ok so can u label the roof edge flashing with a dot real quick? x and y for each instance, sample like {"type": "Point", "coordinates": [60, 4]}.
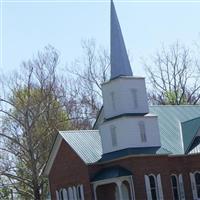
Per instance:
{"type": "Point", "coordinates": [122, 77]}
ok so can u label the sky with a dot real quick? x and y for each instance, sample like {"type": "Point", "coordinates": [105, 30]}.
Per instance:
{"type": "Point", "coordinates": [28, 26]}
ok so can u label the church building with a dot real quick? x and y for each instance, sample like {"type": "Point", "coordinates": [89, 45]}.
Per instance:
{"type": "Point", "coordinates": [135, 151]}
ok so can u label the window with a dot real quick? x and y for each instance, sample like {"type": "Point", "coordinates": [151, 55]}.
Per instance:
{"type": "Point", "coordinates": [70, 193]}
{"type": "Point", "coordinates": [112, 94]}
{"type": "Point", "coordinates": [194, 179]}
{"type": "Point", "coordinates": [134, 96]}
{"type": "Point", "coordinates": [65, 195]}
{"type": "Point", "coordinates": [142, 131]}
{"type": "Point", "coordinates": [79, 192]}
{"type": "Point", "coordinates": [57, 195]}
{"type": "Point", "coordinates": [113, 136]}
{"type": "Point", "coordinates": [154, 187]}
{"type": "Point", "coordinates": [61, 194]}
{"type": "Point", "coordinates": [80, 195]}
{"type": "Point", "coordinates": [175, 187]}
{"type": "Point", "coordinates": [197, 180]}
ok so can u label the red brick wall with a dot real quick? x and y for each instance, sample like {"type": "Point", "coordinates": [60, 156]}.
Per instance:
{"type": "Point", "coordinates": [163, 165]}
{"type": "Point", "coordinates": [68, 170]}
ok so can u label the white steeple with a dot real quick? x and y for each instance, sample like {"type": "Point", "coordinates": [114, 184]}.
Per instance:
{"type": "Point", "coordinates": [127, 124]}
{"type": "Point", "coordinates": [120, 65]}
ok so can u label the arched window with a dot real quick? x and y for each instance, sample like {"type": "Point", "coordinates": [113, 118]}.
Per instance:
{"type": "Point", "coordinates": [70, 193]}
{"type": "Point", "coordinates": [153, 187]}
{"type": "Point", "coordinates": [197, 180]}
{"type": "Point", "coordinates": [61, 194]}
{"type": "Point", "coordinates": [80, 192]}
{"type": "Point", "coordinates": [75, 192]}
{"type": "Point", "coordinates": [175, 187]}
{"type": "Point", "coordinates": [65, 194]}
{"type": "Point", "coordinates": [57, 195]}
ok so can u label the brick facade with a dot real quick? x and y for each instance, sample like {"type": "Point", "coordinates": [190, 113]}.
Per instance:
{"type": "Point", "coordinates": [69, 170]}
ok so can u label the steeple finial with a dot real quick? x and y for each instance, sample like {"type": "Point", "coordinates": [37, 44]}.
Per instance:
{"type": "Point", "coordinates": [120, 65]}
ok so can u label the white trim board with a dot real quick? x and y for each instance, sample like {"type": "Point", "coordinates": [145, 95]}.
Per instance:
{"type": "Point", "coordinates": [53, 154]}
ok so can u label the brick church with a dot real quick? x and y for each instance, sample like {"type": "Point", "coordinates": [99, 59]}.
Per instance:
{"type": "Point", "coordinates": [135, 151]}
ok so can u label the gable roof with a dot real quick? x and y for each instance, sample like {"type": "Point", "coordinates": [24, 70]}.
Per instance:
{"type": "Point", "coordinates": [190, 131]}
{"type": "Point", "coordinates": [86, 143]}
{"type": "Point", "coordinates": [170, 118]}
{"type": "Point", "coordinates": [177, 132]}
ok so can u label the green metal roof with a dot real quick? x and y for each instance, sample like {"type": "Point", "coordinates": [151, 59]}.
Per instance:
{"type": "Point", "coordinates": [170, 118]}
{"type": "Point", "coordinates": [111, 172]}
{"type": "Point", "coordinates": [133, 151]}
{"type": "Point", "coordinates": [86, 143]}
{"type": "Point", "coordinates": [190, 129]}
{"type": "Point", "coordinates": [172, 122]}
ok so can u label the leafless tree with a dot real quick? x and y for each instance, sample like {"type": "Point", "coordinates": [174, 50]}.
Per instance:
{"type": "Point", "coordinates": [31, 114]}
{"type": "Point", "coordinates": [37, 102]}
{"type": "Point", "coordinates": [85, 77]}
{"type": "Point", "coordinates": [173, 77]}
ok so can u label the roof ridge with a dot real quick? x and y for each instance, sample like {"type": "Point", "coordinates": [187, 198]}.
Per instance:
{"type": "Point", "coordinates": [188, 105]}
{"type": "Point", "coordinates": [81, 130]}
{"type": "Point", "coordinates": [191, 119]}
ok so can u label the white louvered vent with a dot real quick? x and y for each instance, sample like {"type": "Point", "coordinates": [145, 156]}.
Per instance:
{"type": "Point", "coordinates": [142, 131]}
{"type": "Point", "coordinates": [135, 98]}
{"type": "Point", "coordinates": [112, 94]}
{"type": "Point", "coordinates": [113, 136]}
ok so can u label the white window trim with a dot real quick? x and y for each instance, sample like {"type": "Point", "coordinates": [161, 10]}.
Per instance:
{"type": "Point", "coordinates": [194, 185]}
{"type": "Point", "coordinates": [57, 195]}
{"type": "Point", "coordinates": [158, 185]}
{"type": "Point", "coordinates": [81, 197]}
{"type": "Point", "coordinates": [118, 181]}
{"type": "Point", "coordinates": [178, 186]}
{"type": "Point", "coordinates": [61, 194]}
{"type": "Point", "coordinates": [160, 190]}
{"type": "Point", "coordinates": [181, 186]}
{"type": "Point", "coordinates": [70, 193]}
{"type": "Point", "coordinates": [65, 194]}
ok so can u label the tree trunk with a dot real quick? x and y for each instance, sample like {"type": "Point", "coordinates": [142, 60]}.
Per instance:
{"type": "Point", "coordinates": [37, 193]}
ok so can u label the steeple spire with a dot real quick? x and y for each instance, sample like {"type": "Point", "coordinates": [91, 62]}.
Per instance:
{"type": "Point", "coordinates": [120, 65]}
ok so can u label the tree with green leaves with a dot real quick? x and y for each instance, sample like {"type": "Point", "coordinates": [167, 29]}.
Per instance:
{"type": "Point", "coordinates": [31, 115]}
{"type": "Point", "coordinates": [39, 101]}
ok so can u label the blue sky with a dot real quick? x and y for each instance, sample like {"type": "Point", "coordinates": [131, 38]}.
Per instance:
{"type": "Point", "coordinates": [29, 26]}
